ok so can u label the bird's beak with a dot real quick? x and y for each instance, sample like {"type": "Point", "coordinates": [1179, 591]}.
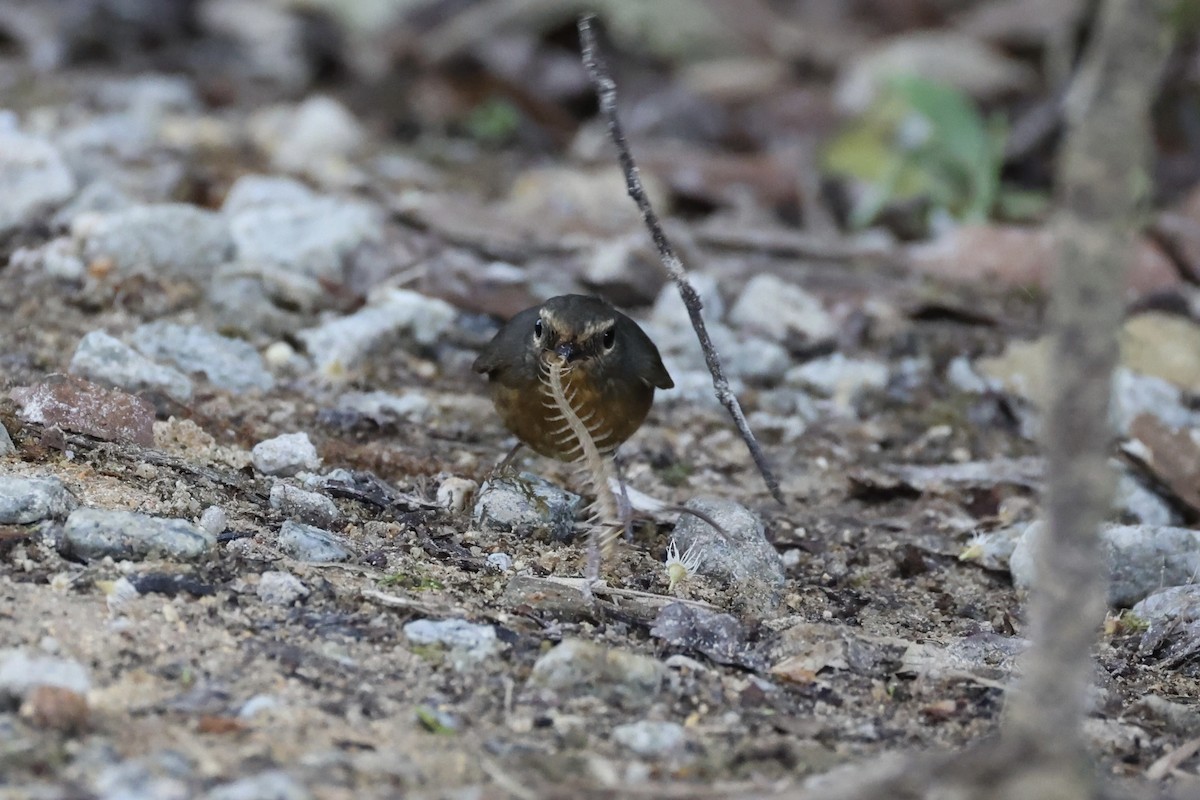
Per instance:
{"type": "Point", "coordinates": [567, 351]}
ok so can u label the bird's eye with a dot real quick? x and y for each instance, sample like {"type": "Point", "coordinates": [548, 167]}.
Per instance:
{"type": "Point", "coordinates": [610, 338]}
{"type": "Point", "coordinates": [537, 329]}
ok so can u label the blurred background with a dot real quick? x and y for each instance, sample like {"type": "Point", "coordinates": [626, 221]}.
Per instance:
{"type": "Point", "coordinates": [906, 118]}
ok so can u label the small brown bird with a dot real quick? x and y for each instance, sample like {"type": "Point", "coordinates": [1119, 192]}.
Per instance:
{"type": "Point", "coordinates": [610, 371]}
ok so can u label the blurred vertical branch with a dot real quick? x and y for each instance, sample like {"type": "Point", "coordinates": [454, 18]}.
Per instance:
{"type": "Point", "coordinates": [1103, 182]}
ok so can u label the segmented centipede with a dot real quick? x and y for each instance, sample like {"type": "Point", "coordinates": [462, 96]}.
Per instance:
{"type": "Point", "coordinates": [580, 435]}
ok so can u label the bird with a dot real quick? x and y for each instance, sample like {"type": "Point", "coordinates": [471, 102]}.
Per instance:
{"type": "Point", "coordinates": [610, 370]}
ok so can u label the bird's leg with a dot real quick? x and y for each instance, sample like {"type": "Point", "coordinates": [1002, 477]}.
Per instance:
{"type": "Point", "coordinates": [506, 465]}
{"type": "Point", "coordinates": [624, 506]}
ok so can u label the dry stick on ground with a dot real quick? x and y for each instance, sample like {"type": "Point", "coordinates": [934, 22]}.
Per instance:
{"type": "Point", "coordinates": [606, 93]}
{"type": "Point", "coordinates": [1103, 166]}
{"type": "Point", "coordinates": [1102, 182]}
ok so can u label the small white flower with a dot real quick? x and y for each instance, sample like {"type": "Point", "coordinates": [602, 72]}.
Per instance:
{"type": "Point", "coordinates": [974, 549]}
{"type": "Point", "coordinates": [680, 568]}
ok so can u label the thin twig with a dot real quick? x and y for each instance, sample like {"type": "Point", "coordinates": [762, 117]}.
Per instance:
{"type": "Point", "coordinates": [606, 93]}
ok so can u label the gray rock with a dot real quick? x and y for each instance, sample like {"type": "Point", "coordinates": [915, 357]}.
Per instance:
{"type": "Point", "coordinates": [7, 448]}
{"type": "Point", "coordinates": [987, 655]}
{"type": "Point", "coordinates": [175, 239]}
{"type": "Point", "coordinates": [454, 493]}
{"type": "Point", "coordinates": [263, 191]}
{"type": "Point", "coordinates": [1172, 618]}
{"type": "Point", "coordinates": [781, 311]}
{"type": "Point", "coordinates": [469, 642]}
{"type": "Point", "coordinates": [580, 667]}
{"type": "Point", "coordinates": [741, 557]}
{"type": "Point", "coordinates": [526, 504]}
{"type": "Point", "coordinates": [280, 588]}
{"type": "Point", "coordinates": [340, 344]}
{"type": "Point", "coordinates": [384, 408]}
{"type": "Point", "coordinates": [149, 94]}
{"type": "Point", "coordinates": [501, 562]}
{"type": "Point", "coordinates": [313, 237]}
{"type": "Point", "coordinates": [99, 196]}
{"type": "Point", "coordinates": [95, 139]}
{"type": "Point", "coordinates": [306, 543]}
{"type": "Point", "coordinates": [722, 638]}
{"type": "Point", "coordinates": [296, 503]}
{"type": "Point", "coordinates": [625, 270]}
{"type": "Point", "coordinates": [271, 785]}
{"type": "Point", "coordinates": [1139, 504]}
{"type": "Point", "coordinates": [94, 533]}
{"type": "Point", "coordinates": [158, 776]}
{"type": "Point", "coordinates": [1135, 394]}
{"type": "Point", "coordinates": [243, 305]}
{"type": "Point", "coordinates": [962, 375]}
{"type": "Point", "coordinates": [26, 500]}
{"type": "Point", "coordinates": [107, 360]}
{"type": "Point", "coordinates": [257, 704]}
{"type": "Point", "coordinates": [669, 312]}
{"type": "Point", "coordinates": [59, 258]}
{"type": "Point", "coordinates": [1141, 559]}
{"type": "Point", "coordinates": [21, 670]}
{"type": "Point", "coordinates": [269, 41]}
{"type": "Point", "coordinates": [837, 376]}
{"type": "Point", "coordinates": [651, 738]}
{"type": "Point", "coordinates": [34, 176]}
{"type": "Point", "coordinates": [214, 520]}
{"type": "Point", "coordinates": [227, 363]}
{"type": "Point", "coordinates": [319, 131]}
{"type": "Point", "coordinates": [285, 455]}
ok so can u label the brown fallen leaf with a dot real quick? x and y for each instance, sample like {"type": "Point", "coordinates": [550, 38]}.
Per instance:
{"type": "Point", "coordinates": [219, 725]}
{"type": "Point", "coordinates": [1170, 455]}
{"type": "Point", "coordinates": [1024, 257]}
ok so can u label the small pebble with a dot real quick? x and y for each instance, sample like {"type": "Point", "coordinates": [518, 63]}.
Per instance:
{"type": "Point", "coordinates": [384, 408]}
{"type": "Point", "coordinates": [174, 239]}
{"type": "Point", "coordinates": [230, 364]}
{"type": "Point", "coordinates": [34, 176]}
{"type": "Point", "coordinates": [280, 588]}
{"type": "Point", "coordinates": [651, 738]}
{"type": "Point", "coordinates": [340, 344]}
{"type": "Point", "coordinates": [106, 360]}
{"type": "Point", "coordinates": [26, 500]}
{"type": "Point", "coordinates": [307, 543]}
{"type": "Point", "coordinates": [55, 708]}
{"type": "Point", "coordinates": [7, 447]}
{"type": "Point", "coordinates": [257, 704]}
{"type": "Point", "coordinates": [296, 503]}
{"type": "Point", "coordinates": [501, 562]}
{"type": "Point", "coordinates": [271, 785]}
{"type": "Point", "coordinates": [20, 671]}
{"type": "Point", "coordinates": [312, 238]}
{"type": "Point", "coordinates": [214, 520]}
{"type": "Point", "coordinates": [318, 131]}
{"type": "Point", "coordinates": [526, 504]}
{"type": "Point", "coordinates": [285, 455]}
{"type": "Point", "coordinates": [454, 493]}
{"type": "Point", "coordinates": [93, 533]}
{"type": "Point", "coordinates": [837, 376]}
{"type": "Point", "coordinates": [578, 666]}
{"type": "Point", "coordinates": [781, 310]}
{"type": "Point", "coordinates": [469, 642]}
